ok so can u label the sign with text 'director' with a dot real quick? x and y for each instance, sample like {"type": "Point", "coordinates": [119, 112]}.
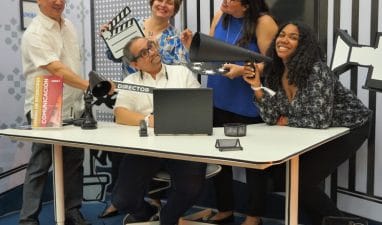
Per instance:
{"type": "Point", "coordinates": [133, 87]}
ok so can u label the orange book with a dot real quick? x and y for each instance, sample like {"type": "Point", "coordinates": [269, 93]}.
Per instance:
{"type": "Point", "coordinates": [47, 105]}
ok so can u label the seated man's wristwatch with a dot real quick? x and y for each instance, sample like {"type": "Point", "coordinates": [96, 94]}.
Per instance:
{"type": "Point", "coordinates": [147, 120]}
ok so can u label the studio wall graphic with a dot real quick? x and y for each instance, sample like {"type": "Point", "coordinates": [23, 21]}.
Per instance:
{"type": "Point", "coordinates": [359, 180]}
{"type": "Point", "coordinates": [28, 10]}
{"type": "Point", "coordinates": [348, 53]}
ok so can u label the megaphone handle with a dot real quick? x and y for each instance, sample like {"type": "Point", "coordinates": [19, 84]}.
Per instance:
{"type": "Point", "coordinates": [253, 66]}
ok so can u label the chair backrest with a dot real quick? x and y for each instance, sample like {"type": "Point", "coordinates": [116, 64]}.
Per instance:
{"type": "Point", "coordinates": [163, 176]}
{"type": "Point", "coordinates": [212, 170]}
{"type": "Point", "coordinates": [337, 220]}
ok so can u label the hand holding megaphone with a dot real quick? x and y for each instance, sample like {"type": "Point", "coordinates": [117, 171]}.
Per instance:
{"type": "Point", "coordinates": [252, 74]}
{"type": "Point", "coordinates": [253, 79]}
{"type": "Point", "coordinates": [186, 38]}
{"type": "Point", "coordinates": [233, 70]}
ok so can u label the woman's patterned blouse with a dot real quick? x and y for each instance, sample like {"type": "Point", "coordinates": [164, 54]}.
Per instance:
{"type": "Point", "coordinates": [323, 102]}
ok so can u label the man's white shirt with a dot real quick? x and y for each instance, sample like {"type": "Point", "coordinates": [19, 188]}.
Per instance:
{"type": "Point", "coordinates": [178, 76]}
{"type": "Point", "coordinates": [44, 42]}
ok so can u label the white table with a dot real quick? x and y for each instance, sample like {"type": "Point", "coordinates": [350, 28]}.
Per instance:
{"type": "Point", "coordinates": [263, 146]}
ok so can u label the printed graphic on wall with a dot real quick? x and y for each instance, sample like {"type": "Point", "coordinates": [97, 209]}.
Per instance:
{"type": "Point", "coordinates": [347, 53]}
{"type": "Point", "coordinates": [28, 10]}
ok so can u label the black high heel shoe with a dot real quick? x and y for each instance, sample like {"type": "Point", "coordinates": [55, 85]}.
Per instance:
{"type": "Point", "coordinates": [106, 214]}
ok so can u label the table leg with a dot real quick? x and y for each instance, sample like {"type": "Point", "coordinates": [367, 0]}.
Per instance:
{"type": "Point", "coordinates": [58, 179]}
{"type": "Point", "coordinates": [291, 201]}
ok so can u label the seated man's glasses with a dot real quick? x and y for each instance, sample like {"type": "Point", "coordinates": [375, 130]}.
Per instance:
{"type": "Point", "coordinates": [151, 46]}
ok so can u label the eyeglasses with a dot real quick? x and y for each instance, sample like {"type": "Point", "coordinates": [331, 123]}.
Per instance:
{"type": "Point", "coordinates": [229, 1]}
{"type": "Point", "coordinates": [151, 46]}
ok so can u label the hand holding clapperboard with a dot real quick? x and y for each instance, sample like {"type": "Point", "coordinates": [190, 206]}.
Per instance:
{"type": "Point", "coordinates": [117, 35]}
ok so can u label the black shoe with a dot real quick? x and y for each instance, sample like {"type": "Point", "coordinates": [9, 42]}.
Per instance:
{"type": "Point", "coordinates": [106, 214]}
{"type": "Point", "coordinates": [226, 220]}
{"type": "Point", "coordinates": [74, 217]}
{"type": "Point", "coordinates": [29, 222]}
{"type": "Point", "coordinates": [129, 218]}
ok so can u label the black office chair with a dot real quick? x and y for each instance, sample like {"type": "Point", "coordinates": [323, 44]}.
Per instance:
{"type": "Point", "coordinates": [163, 176]}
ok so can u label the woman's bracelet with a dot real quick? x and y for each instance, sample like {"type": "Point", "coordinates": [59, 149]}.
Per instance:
{"type": "Point", "coordinates": [268, 90]}
{"type": "Point", "coordinates": [257, 88]}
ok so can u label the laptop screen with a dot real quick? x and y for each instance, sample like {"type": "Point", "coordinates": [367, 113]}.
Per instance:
{"type": "Point", "coordinates": [182, 111]}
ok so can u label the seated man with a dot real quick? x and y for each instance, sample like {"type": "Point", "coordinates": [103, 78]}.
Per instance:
{"type": "Point", "coordinates": [136, 171]}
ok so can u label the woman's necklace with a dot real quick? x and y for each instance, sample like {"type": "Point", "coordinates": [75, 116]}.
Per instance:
{"type": "Point", "coordinates": [153, 30]}
{"type": "Point", "coordinates": [237, 35]}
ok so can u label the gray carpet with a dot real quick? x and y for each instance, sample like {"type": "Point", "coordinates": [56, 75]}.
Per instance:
{"type": "Point", "coordinates": [91, 210]}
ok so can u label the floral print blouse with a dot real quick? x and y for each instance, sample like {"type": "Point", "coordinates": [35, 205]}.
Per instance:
{"type": "Point", "coordinates": [324, 102]}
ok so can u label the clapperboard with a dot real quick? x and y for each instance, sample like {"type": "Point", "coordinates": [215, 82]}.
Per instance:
{"type": "Point", "coordinates": [116, 36]}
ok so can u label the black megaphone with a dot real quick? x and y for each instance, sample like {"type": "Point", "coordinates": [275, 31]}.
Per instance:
{"type": "Point", "coordinates": [208, 49]}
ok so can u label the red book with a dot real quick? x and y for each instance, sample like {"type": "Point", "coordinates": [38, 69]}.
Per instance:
{"type": "Point", "coordinates": [47, 105]}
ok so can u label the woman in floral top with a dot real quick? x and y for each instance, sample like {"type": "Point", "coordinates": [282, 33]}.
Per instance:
{"type": "Point", "coordinates": [307, 94]}
{"type": "Point", "coordinates": [158, 27]}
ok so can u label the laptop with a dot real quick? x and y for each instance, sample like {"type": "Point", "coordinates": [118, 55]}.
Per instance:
{"type": "Point", "coordinates": [183, 111]}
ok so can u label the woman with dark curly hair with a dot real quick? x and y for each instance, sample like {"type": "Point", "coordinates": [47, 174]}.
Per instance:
{"type": "Point", "coordinates": [307, 94]}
